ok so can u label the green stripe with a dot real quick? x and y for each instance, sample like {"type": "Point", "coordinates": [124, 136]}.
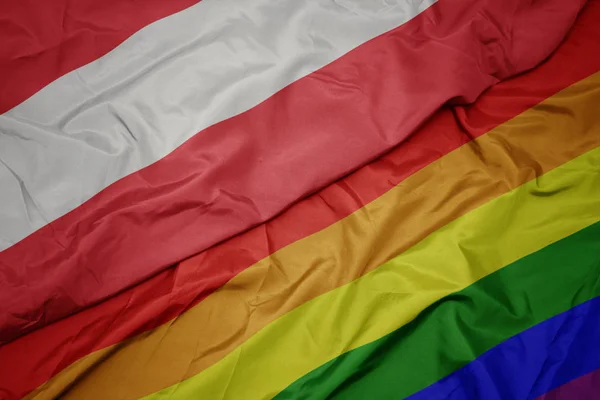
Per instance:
{"type": "Point", "coordinates": [457, 329]}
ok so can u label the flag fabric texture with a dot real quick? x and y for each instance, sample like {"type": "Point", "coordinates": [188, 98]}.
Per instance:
{"type": "Point", "coordinates": [300, 199]}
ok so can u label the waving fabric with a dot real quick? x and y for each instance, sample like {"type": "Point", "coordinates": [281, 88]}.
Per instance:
{"type": "Point", "coordinates": [224, 199]}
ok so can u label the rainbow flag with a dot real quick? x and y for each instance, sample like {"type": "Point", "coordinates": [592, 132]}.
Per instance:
{"type": "Point", "coordinates": [300, 199]}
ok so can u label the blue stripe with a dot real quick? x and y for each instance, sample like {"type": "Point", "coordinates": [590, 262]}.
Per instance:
{"type": "Point", "coordinates": [531, 363]}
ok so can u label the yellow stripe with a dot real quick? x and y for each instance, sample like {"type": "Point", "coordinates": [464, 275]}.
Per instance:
{"type": "Point", "coordinates": [498, 233]}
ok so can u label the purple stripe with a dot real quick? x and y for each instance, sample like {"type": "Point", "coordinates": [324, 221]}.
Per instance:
{"type": "Point", "coordinates": [585, 388]}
